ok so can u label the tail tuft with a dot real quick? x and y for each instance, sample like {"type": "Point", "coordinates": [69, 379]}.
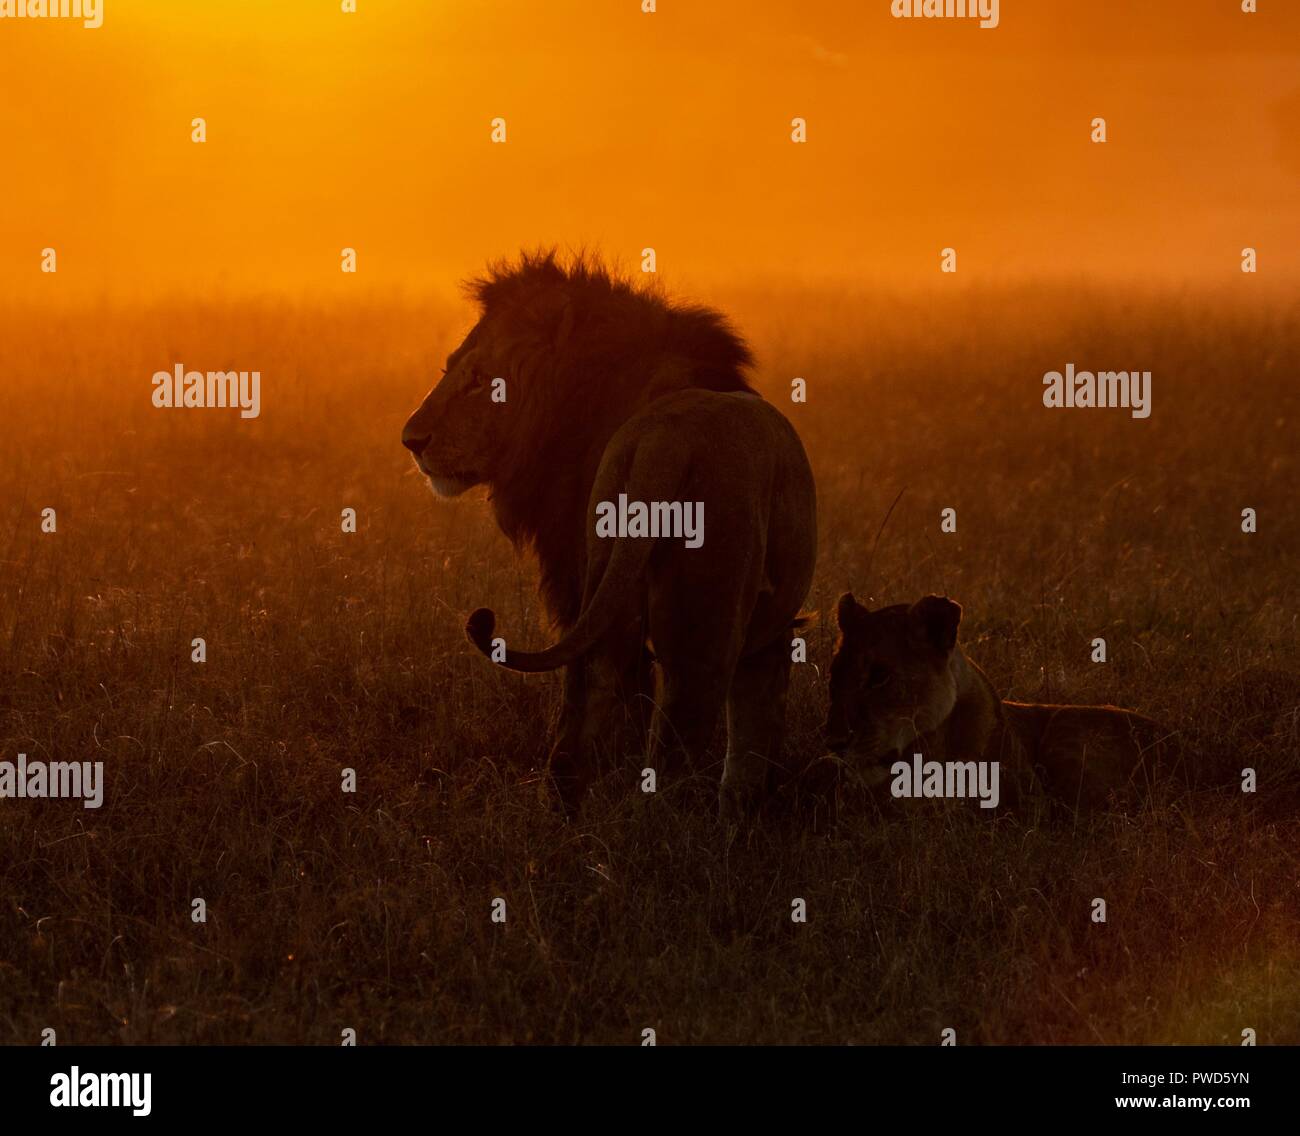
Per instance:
{"type": "Point", "coordinates": [479, 628]}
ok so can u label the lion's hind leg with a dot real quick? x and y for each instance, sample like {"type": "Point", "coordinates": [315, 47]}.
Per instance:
{"type": "Point", "coordinates": [755, 728]}
{"type": "Point", "coordinates": [606, 708]}
{"type": "Point", "coordinates": [685, 720]}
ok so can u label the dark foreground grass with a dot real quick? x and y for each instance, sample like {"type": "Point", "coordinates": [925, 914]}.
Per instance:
{"type": "Point", "coordinates": [329, 651]}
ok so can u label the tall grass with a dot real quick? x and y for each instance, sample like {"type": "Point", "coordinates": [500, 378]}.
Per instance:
{"type": "Point", "coordinates": [329, 651]}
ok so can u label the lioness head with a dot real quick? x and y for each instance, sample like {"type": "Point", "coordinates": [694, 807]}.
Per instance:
{"type": "Point", "coordinates": [891, 678]}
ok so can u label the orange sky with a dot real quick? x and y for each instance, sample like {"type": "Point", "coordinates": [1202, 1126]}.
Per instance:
{"type": "Point", "coordinates": [627, 130]}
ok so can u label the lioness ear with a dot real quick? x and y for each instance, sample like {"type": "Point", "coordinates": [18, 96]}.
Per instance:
{"type": "Point", "coordinates": [938, 617]}
{"type": "Point", "coordinates": [846, 611]}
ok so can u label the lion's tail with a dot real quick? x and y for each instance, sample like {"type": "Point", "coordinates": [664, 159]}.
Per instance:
{"type": "Point", "coordinates": [624, 576]}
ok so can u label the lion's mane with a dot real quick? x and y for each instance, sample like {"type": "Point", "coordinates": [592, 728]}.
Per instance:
{"type": "Point", "coordinates": [588, 349]}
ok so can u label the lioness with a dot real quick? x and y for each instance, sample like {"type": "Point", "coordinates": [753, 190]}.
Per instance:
{"type": "Point", "coordinates": [900, 685]}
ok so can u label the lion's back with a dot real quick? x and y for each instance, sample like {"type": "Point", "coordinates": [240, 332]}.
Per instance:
{"type": "Point", "coordinates": [745, 456]}
{"type": "Point", "coordinates": [735, 432]}
{"type": "Point", "coordinates": [743, 461]}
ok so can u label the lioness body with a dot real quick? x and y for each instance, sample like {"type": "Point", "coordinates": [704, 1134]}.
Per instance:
{"type": "Point", "coordinates": [1081, 755]}
{"type": "Point", "coordinates": [901, 684]}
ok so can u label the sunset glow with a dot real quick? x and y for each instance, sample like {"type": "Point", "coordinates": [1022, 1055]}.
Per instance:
{"type": "Point", "coordinates": [372, 130]}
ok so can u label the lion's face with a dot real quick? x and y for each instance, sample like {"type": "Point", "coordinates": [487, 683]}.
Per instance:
{"type": "Point", "coordinates": [458, 433]}
{"type": "Point", "coordinates": [890, 679]}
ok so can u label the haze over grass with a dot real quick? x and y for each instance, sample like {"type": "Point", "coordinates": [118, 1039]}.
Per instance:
{"type": "Point", "coordinates": [328, 650]}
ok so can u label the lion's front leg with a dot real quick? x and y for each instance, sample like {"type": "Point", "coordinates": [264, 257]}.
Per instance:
{"type": "Point", "coordinates": [565, 766]}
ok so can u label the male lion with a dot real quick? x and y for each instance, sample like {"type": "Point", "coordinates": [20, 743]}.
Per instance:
{"type": "Point", "coordinates": [611, 390]}
{"type": "Point", "coordinates": [900, 684]}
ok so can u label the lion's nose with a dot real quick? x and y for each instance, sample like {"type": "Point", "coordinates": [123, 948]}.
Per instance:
{"type": "Point", "coordinates": [414, 444]}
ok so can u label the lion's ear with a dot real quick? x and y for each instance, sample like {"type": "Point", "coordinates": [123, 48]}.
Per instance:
{"type": "Point", "coordinates": [846, 611]}
{"type": "Point", "coordinates": [551, 318]}
{"type": "Point", "coordinates": [938, 617]}
{"type": "Point", "coordinates": [564, 327]}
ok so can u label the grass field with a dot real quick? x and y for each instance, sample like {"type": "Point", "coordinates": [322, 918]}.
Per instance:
{"type": "Point", "coordinates": [328, 650]}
